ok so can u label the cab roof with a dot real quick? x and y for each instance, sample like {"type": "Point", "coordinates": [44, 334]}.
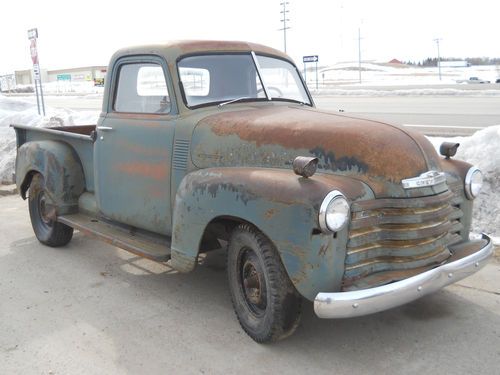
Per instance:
{"type": "Point", "coordinates": [172, 50]}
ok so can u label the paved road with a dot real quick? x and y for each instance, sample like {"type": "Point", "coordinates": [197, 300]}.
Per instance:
{"type": "Point", "coordinates": [434, 115]}
{"type": "Point", "coordinates": [90, 308]}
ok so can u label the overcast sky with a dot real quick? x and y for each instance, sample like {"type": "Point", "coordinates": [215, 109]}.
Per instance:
{"type": "Point", "coordinates": [79, 33]}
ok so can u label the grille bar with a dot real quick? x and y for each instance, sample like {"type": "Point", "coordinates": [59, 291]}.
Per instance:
{"type": "Point", "coordinates": [399, 236]}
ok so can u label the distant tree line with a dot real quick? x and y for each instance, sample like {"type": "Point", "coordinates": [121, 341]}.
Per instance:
{"type": "Point", "coordinates": [432, 61]}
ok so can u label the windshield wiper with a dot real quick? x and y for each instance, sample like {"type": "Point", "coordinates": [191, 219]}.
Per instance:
{"type": "Point", "coordinates": [235, 100]}
{"type": "Point", "coordinates": [290, 100]}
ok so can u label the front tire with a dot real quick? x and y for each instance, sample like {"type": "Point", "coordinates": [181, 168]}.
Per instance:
{"type": "Point", "coordinates": [265, 301]}
{"type": "Point", "coordinates": [43, 216]}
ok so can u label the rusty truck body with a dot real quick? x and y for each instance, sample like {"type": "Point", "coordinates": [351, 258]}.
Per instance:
{"type": "Point", "coordinates": [203, 144]}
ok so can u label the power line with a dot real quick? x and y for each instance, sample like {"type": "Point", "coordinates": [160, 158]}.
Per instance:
{"type": "Point", "coordinates": [284, 20]}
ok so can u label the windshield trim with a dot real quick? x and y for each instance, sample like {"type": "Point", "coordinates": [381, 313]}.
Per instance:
{"type": "Point", "coordinates": [257, 66]}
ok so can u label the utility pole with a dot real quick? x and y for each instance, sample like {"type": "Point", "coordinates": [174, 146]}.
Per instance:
{"type": "Point", "coordinates": [439, 57]}
{"type": "Point", "coordinates": [359, 53]}
{"type": "Point", "coordinates": [284, 20]}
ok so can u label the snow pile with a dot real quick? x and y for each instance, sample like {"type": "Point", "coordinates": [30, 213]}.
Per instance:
{"type": "Point", "coordinates": [21, 112]}
{"type": "Point", "coordinates": [482, 150]}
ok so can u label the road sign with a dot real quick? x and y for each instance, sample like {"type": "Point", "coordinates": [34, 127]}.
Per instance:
{"type": "Point", "coordinates": [33, 51]}
{"type": "Point", "coordinates": [313, 58]}
{"type": "Point", "coordinates": [32, 33]}
{"type": "Point", "coordinates": [36, 72]}
{"type": "Point", "coordinates": [32, 36]}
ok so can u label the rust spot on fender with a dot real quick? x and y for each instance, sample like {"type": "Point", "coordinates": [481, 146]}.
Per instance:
{"type": "Point", "coordinates": [270, 213]}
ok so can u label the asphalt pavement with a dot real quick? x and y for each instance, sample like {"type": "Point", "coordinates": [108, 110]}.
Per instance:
{"type": "Point", "coordinates": [432, 115]}
{"type": "Point", "coordinates": [90, 308]}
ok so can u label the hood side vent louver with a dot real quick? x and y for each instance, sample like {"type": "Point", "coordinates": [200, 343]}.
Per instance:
{"type": "Point", "coordinates": [181, 154]}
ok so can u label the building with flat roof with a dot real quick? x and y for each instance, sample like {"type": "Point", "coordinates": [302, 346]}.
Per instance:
{"type": "Point", "coordinates": [83, 74]}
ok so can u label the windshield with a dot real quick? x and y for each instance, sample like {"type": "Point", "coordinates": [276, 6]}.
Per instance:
{"type": "Point", "coordinates": [220, 78]}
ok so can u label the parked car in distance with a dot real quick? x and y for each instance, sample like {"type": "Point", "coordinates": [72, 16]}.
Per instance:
{"type": "Point", "coordinates": [473, 80]}
{"type": "Point", "coordinates": [209, 144]}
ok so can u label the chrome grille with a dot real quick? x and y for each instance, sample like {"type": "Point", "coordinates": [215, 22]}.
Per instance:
{"type": "Point", "coordinates": [391, 239]}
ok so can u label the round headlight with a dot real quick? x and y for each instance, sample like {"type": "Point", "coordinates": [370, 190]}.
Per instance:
{"type": "Point", "coordinates": [334, 212]}
{"type": "Point", "coordinates": [473, 183]}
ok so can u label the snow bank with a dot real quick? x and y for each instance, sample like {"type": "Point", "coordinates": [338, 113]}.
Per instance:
{"type": "Point", "coordinates": [22, 112]}
{"type": "Point", "coordinates": [482, 150]}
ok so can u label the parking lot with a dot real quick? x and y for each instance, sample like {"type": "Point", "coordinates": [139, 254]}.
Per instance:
{"type": "Point", "coordinates": [91, 308]}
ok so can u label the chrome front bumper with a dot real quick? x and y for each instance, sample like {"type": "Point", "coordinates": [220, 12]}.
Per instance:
{"type": "Point", "coordinates": [369, 301]}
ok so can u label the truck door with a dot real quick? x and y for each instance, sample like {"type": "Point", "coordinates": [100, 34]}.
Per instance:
{"type": "Point", "coordinates": [133, 149]}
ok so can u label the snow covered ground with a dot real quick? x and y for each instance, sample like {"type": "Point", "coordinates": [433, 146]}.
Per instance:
{"type": "Point", "coordinates": [482, 149]}
{"type": "Point", "coordinates": [379, 74]}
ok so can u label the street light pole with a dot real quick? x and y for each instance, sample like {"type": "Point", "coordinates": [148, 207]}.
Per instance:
{"type": "Point", "coordinates": [284, 20]}
{"type": "Point", "coordinates": [439, 57]}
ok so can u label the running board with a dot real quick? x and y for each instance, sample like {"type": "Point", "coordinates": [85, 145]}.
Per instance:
{"type": "Point", "coordinates": [156, 248]}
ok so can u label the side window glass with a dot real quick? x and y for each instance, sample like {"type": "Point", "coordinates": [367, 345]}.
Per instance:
{"type": "Point", "coordinates": [142, 88]}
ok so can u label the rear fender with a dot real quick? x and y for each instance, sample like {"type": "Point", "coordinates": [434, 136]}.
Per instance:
{"type": "Point", "coordinates": [61, 168]}
{"type": "Point", "coordinates": [280, 204]}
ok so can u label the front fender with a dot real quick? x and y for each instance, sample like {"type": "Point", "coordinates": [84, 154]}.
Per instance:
{"type": "Point", "coordinates": [279, 203]}
{"type": "Point", "coordinates": [59, 165]}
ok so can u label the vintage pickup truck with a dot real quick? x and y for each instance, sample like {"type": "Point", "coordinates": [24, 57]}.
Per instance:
{"type": "Point", "coordinates": [209, 144]}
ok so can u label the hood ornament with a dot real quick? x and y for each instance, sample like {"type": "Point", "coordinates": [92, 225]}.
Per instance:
{"type": "Point", "coordinates": [430, 178]}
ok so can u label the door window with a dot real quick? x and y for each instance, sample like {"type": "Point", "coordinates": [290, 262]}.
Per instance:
{"type": "Point", "coordinates": [142, 88]}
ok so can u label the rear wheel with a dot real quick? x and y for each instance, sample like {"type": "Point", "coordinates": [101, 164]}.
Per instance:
{"type": "Point", "coordinates": [43, 216]}
{"type": "Point", "coordinates": [266, 303]}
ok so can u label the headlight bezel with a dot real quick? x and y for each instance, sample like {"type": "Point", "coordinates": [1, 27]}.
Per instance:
{"type": "Point", "coordinates": [329, 199]}
{"type": "Point", "coordinates": [468, 183]}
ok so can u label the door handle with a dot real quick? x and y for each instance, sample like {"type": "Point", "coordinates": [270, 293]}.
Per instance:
{"type": "Point", "coordinates": [104, 128]}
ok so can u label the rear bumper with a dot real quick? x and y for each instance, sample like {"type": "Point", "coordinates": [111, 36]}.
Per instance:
{"type": "Point", "coordinates": [369, 301]}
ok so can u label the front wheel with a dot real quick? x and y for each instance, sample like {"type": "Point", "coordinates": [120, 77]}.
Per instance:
{"type": "Point", "coordinates": [266, 303]}
{"type": "Point", "coordinates": [43, 216]}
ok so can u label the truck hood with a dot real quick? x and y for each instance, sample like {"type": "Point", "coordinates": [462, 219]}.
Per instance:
{"type": "Point", "coordinates": [379, 154]}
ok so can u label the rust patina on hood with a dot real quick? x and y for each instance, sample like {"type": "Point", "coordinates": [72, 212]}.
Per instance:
{"type": "Point", "coordinates": [273, 135]}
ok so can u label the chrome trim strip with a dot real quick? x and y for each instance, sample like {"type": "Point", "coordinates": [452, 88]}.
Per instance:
{"type": "Point", "coordinates": [369, 301]}
{"type": "Point", "coordinates": [430, 178]}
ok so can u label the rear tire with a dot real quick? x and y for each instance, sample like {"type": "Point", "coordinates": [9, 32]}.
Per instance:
{"type": "Point", "coordinates": [43, 216]}
{"type": "Point", "coordinates": [265, 301]}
